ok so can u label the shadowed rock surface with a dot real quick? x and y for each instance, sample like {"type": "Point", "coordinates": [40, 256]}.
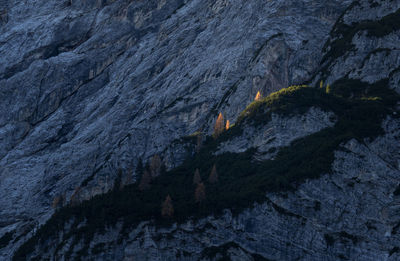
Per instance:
{"type": "Point", "coordinates": [89, 87]}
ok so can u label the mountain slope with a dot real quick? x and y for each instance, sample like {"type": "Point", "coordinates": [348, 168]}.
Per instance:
{"type": "Point", "coordinates": [243, 179]}
{"type": "Point", "coordinates": [328, 159]}
{"type": "Point", "coordinates": [88, 88]}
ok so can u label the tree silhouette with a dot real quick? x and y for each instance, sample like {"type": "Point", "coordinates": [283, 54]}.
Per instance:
{"type": "Point", "coordinates": [219, 126]}
{"type": "Point", "coordinates": [199, 142]}
{"type": "Point", "coordinates": [57, 201]}
{"type": "Point", "coordinates": [213, 178]}
{"type": "Point", "coordinates": [74, 200]}
{"type": "Point", "coordinates": [145, 181]}
{"type": "Point", "coordinates": [155, 166]}
{"type": "Point", "coordinates": [196, 177]}
{"type": "Point", "coordinates": [167, 208]}
{"type": "Point", "coordinates": [139, 168]}
{"type": "Point", "coordinates": [118, 181]}
{"type": "Point", "coordinates": [128, 178]}
{"type": "Point", "coordinates": [258, 96]}
{"type": "Point", "coordinates": [228, 125]}
{"type": "Point", "coordinates": [200, 193]}
{"type": "Point", "coordinates": [60, 201]}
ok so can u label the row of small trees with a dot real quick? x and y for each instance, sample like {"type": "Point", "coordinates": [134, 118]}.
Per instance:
{"type": "Point", "coordinates": [220, 125]}
{"type": "Point", "coordinates": [200, 191]}
{"type": "Point", "coordinates": [327, 88]}
{"type": "Point", "coordinates": [152, 171]}
{"type": "Point", "coordinates": [167, 207]}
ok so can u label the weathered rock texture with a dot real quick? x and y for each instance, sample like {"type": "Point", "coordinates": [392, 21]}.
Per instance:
{"type": "Point", "coordinates": [89, 87]}
{"type": "Point", "coordinates": [351, 214]}
{"type": "Point", "coordinates": [279, 132]}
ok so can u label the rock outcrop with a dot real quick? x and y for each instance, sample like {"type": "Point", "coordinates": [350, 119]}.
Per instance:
{"type": "Point", "coordinates": [351, 214]}
{"type": "Point", "coordinates": [90, 88]}
{"type": "Point", "coordinates": [280, 131]}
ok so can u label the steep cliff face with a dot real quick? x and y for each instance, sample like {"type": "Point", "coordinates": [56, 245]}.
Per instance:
{"type": "Point", "coordinates": [89, 87]}
{"type": "Point", "coordinates": [350, 214]}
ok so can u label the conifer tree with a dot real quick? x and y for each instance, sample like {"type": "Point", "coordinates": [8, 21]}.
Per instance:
{"type": "Point", "coordinates": [199, 142]}
{"type": "Point", "coordinates": [219, 125]}
{"type": "Point", "coordinates": [321, 84]}
{"type": "Point", "coordinates": [145, 181]}
{"type": "Point", "coordinates": [213, 178]}
{"type": "Point", "coordinates": [196, 177]}
{"type": "Point", "coordinates": [128, 178]}
{"type": "Point", "coordinates": [155, 165]}
{"type": "Point", "coordinates": [57, 201]}
{"type": "Point", "coordinates": [328, 89]}
{"type": "Point", "coordinates": [228, 125]}
{"type": "Point", "coordinates": [118, 180]}
{"type": "Point", "coordinates": [74, 200]}
{"type": "Point", "coordinates": [258, 96]}
{"type": "Point", "coordinates": [200, 193]}
{"type": "Point", "coordinates": [167, 208]}
{"type": "Point", "coordinates": [139, 168]}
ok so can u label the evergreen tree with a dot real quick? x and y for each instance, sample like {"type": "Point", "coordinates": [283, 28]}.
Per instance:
{"type": "Point", "coordinates": [57, 201]}
{"type": "Point", "coordinates": [258, 96]}
{"type": "Point", "coordinates": [117, 182]}
{"type": "Point", "coordinates": [328, 88]}
{"type": "Point", "coordinates": [155, 166]}
{"type": "Point", "coordinates": [145, 181]}
{"type": "Point", "coordinates": [139, 168]}
{"type": "Point", "coordinates": [199, 142]}
{"type": "Point", "coordinates": [200, 193]}
{"type": "Point", "coordinates": [128, 178]}
{"type": "Point", "coordinates": [228, 125]}
{"type": "Point", "coordinates": [213, 178]}
{"type": "Point", "coordinates": [219, 126]}
{"type": "Point", "coordinates": [74, 200]}
{"type": "Point", "coordinates": [196, 177]}
{"type": "Point", "coordinates": [167, 208]}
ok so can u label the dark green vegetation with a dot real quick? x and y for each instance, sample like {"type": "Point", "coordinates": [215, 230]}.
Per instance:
{"type": "Point", "coordinates": [359, 109]}
{"type": "Point", "coordinates": [6, 238]}
{"type": "Point", "coordinates": [289, 101]}
{"type": "Point", "coordinates": [343, 34]}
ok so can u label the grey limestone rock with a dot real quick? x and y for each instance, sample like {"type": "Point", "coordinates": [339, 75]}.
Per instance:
{"type": "Point", "coordinates": [280, 131]}
{"type": "Point", "coordinates": [87, 88]}
{"type": "Point", "coordinates": [351, 213]}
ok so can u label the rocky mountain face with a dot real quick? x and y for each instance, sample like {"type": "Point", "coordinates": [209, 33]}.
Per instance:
{"type": "Point", "coordinates": [89, 88]}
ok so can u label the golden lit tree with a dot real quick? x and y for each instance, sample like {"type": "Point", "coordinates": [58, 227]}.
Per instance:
{"type": "Point", "coordinates": [167, 208]}
{"type": "Point", "coordinates": [155, 165]}
{"type": "Point", "coordinates": [145, 181]}
{"type": "Point", "coordinates": [219, 125]}
{"type": "Point", "coordinates": [328, 88]}
{"type": "Point", "coordinates": [258, 96]}
{"type": "Point", "coordinates": [321, 84]}
{"type": "Point", "coordinates": [213, 178]}
{"type": "Point", "coordinates": [228, 125]}
{"type": "Point", "coordinates": [200, 193]}
{"type": "Point", "coordinates": [196, 177]}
